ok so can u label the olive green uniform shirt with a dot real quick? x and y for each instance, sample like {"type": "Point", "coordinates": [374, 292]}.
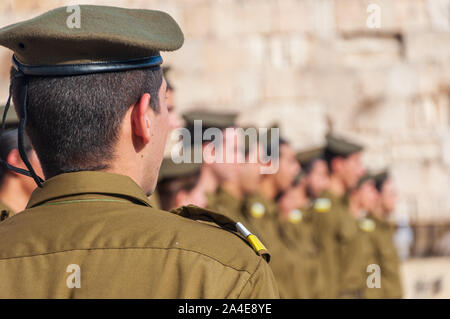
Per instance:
{"type": "Point", "coordinates": [302, 228]}
{"type": "Point", "coordinates": [386, 256]}
{"type": "Point", "coordinates": [225, 203]}
{"type": "Point", "coordinates": [262, 216]}
{"type": "Point", "coordinates": [326, 226]}
{"type": "Point", "coordinates": [154, 200]}
{"type": "Point", "coordinates": [340, 250]}
{"type": "Point", "coordinates": [124, 248]}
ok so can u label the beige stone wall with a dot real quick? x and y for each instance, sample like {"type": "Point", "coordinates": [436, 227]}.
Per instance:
{"type": "Point", "coordinates": [303, 62]}
{"type": "Point", "coordinates": [426, 278]}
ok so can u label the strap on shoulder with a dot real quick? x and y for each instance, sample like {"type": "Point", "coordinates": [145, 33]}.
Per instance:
{"type": "Point", "coordinates": [198, 213]}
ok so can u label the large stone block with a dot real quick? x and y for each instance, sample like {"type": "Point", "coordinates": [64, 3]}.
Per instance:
{"type": "Point", "coordinates": [256, 16]}
{"type": "Point", "coordinates": [427, 47]}
{"type": "Point", "coordinates": [197, 20]}
{"type": "Point", "coordinates": [302, 122]}
{"type": "Point", "coordinates": [292, 16]}
{"type": "Point", "coordinates": [439, 14]}
{"type": "Point", "coordinates": [394, 16]}
{"type": "Point", "coordinates": [430, 112]}
{"type": "Point", "coordinates": [313, 16]}
{"type": "Point", "coordinates": [289, 51]}
{"type": "Point", "coordinates": [362, 52]}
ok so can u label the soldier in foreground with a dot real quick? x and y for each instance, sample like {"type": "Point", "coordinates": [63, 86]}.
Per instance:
{"type": "Point", "coordinates": [99, 130]}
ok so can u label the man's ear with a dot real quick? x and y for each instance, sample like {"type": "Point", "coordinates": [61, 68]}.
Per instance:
{"type": "Point", "coordinates": [14, 159]}
{"type": "Point", "coordinates": [141, 121]}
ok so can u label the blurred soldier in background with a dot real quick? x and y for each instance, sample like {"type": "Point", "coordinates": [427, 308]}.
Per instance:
{"type": "Point", "coordinates": [298, 206]}
{"type": "Point", "coordinates": [257, 209]}
{"type": "Point", "coordinates": [265, 215]}
{"type": "Point", "coordinates": [218, 176]}
{"type": "Point", "coordinates": [336, 228]}
{"type": "Point", "coordinates": [387, 255]}
{"type": "Point", "coordinates": [178, 185]}
{"type": "Point", "coordinates": [363, 199]}
{"type": "Point", "coordinates": [375, 245]}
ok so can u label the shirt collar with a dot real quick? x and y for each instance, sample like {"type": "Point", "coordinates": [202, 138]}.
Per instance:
{"type": "Point", "coordinates": [87, 182]}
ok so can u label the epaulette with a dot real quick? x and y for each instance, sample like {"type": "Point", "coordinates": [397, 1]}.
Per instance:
{"type": "Point", "coordinates": [295, 216]}
{"type": "Point", "coordinates": [257, 210]}
{"type": "Point", "coordinates": [367, 224]}
{"type": "Point", "coordinates": [322, 205]}
{"type": "Point", "coordinates": [224, 222]}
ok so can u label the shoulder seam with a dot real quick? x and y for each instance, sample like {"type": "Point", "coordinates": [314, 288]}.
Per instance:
{"type": "Point", "coordinates": [122, 248]}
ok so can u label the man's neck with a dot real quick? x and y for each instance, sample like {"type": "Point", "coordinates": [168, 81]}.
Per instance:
{"type": "Point", "coordinates": [233, 188]}
{"type": "Point", "coordinates": [268, 188]}
{"type": "Point", "coordinates": [354, 207]}
{"type": "Point", "coordinates": [13, 195]}
{"type": "Point", "coordinates": [337, 186]}
{"type": "Point", "coordinates": [378, 213]}
{"type": "Point", "coordinates": [208, 180]}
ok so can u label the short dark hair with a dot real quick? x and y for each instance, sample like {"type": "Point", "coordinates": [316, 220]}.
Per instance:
{"type": "Point", "coordinates": [329, 156]}
{"type": "Point", "coordinates": [274, 150]}
{"type": "Point", "coordinates": [73, 121]}
{"type": "Point", "coordinates": [308, 167]}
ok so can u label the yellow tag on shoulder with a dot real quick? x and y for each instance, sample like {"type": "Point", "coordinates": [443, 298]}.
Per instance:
{"type": "Point", "coordinates": [254, 241]}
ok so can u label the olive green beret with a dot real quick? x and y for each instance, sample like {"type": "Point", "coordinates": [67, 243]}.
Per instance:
{"type": "Point", "coordinates": [11, 121]}
{"type": "Point", "coordinates": [266, 141]}
{"type": "Point", "coordinates": [210, 119]}
{"type": "Point", "coordinates": [105, 34]}
{"type": "Point", "coordinates": [307, 156]}
{"type": "Point", "coordinates": [341, 147]}
{"type": "Point", "coordinates": [170, 169]}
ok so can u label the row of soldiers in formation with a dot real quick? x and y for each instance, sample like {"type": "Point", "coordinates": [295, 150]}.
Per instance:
{"type": "Point", "coordinates": [94, 103]}
{"type": "Point", "coordinates": [322, 217]}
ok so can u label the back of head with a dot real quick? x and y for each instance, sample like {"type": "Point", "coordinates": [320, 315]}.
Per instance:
{"type": "Point", "coordinates": [74, 121]}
